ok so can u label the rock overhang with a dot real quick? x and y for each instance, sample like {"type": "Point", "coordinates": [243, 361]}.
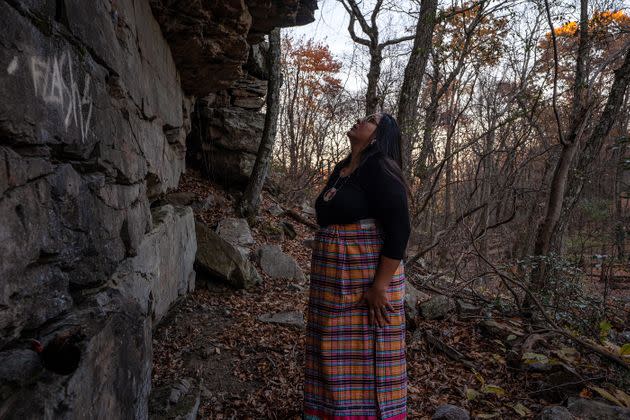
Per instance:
{"type": "Point", "coordinates": [210, 41]}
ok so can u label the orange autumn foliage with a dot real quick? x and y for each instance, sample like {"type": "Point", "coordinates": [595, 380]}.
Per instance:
{"type": "Point", "coordinates": [600, 23]}
{"type": "Point", "coordinates": [314, 65]}
{"type": "Point", "coordinates": [487, 41]}
{"type": "Point", "coordinates": [608, 32]}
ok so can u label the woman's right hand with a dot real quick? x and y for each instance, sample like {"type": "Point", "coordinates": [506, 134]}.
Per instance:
{"type": "Point", "coordinates": [378, 306]}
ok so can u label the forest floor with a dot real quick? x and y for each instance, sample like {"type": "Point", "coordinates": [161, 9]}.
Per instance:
{"type": "Point", "coordinates": [242, 368]}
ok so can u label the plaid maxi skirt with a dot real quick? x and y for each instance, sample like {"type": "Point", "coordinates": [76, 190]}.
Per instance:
{"type": "Point", "coordinates": [353, 370]}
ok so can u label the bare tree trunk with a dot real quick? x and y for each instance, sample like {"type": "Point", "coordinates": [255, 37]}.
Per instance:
{"type": "Point", "coordinates": [412, 81]}
{"type": "Point", "coordinates": [487, 171]}
{"type": "Point", "coordinates": [250, 201]}
{"type": "Point", "coordinates": [375, 47]}
{"type": "Point", "coordinates": [619, 157]}
{"type": "Point", "coordinates": [548, 226]}
{"type": "Point", "coordinates": [565, 192]}
{"type": "Point", "coordinates": [374, 73]}
{"type": "Point", "coordinates": [422, 171]}
{"type": "Point", "coordinates": [593, 145]}
{"type": "Point", "coordinates": [542, 245]}
{"type": "Point", "coordinates": [422, 165]}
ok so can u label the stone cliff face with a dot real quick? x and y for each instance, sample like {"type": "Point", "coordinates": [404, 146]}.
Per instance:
{"type": "Point", "coordinates": [95, 111]}
{"type": "Point", "coordinates": [231, 83]}
{"type": "Point", "coordinates": [226, 131]}
{"type": "Point", "coordinates": [210, 40]}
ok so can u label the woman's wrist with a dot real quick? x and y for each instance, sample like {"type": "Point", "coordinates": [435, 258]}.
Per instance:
{"type": "Point", "coordinates": [380, 285]}
{"type": "Point", "coordinates": [384, 273]}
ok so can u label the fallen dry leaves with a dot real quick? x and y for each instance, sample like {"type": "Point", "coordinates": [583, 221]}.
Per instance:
{"type": "Point", "coordinates": [252, 370]}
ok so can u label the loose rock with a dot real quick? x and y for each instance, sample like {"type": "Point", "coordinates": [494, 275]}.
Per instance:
{"type": "Point", "coordinates": [221, 259]}
{"type": "Point", "coordinates": [437, 307]}
{"type": "Point", "coordinates": [208, 202]}
{"type": "Point", "coordinates": [308, 210]}
{"type": "Point", "coordinates": [466, 309]}
{"type": "Point", "coordinates": [555, 412]}
{"type": "Point", "coordinates": [236, 231]}
{"type": "Point", "coordinates": [275, 210]}
{"type": "Point", "coordinates": [413, 297]}
{"type": "Point", "coordinates": [450, 412]}
{"type": "Point", "coordinates": [289, 319]}
{"type": "Point", "coordinates": [179, 390]}
{"type": "Point", "coordinates": [279, 265]}
{"type": "Point", "coordinates": [596, 410]}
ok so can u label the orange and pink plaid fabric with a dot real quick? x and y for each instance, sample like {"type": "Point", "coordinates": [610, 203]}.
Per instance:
{"type": "Point", "coordinates": [353, 370]}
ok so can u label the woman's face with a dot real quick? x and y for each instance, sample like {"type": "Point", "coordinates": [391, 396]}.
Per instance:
{"type": "Point", "coordinates": [362, 132]}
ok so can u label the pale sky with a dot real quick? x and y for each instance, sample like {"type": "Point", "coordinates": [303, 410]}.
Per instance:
{"type": "Point", "coordinates": [331, 28]}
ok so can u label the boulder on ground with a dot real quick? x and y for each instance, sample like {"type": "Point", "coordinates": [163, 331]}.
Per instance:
{"type": "Point", "coordinates": [179, 402]}
{"type": "Point", "coordinates": [437, 307]}
{"type": "Point", "coordinates": [236, 231]}
{"type": "Point", "coordinates": [413, 297]}
{"type": "Point", "coordinates": [221, 259]}
{"type": "Point", "coordinates": [208, 202]}
{"type": "Point", "coordinates": [279, 265]}
{"type": "Point", "coordinates": [289, 319]}
{"type": "Point", "coordinates": [275, 210]}
{"type": "Point", "coordinates": [555, 412]}
{"type": "Point", "coordinates": [465, 309]}
{"type": "Point", "coordinates": [179, 390]}
{"type": "Point", "coordinates": [583, 408]}
{"type": "Point", "coordinates": [450, 412]}
{"type": "Point", "coordinates": [308, 210]}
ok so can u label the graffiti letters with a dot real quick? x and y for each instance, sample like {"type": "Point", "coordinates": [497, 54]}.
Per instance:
{"type": "Point", "coordinates": [13, 65]}
{"type": "Point", "coordinates": [54, 82]}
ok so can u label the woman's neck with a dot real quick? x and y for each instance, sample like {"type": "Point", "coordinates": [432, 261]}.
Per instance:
{"type": "Point", "coordinates": [355, 157]}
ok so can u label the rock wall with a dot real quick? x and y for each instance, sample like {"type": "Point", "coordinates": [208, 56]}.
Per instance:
{"type": "Point", "coordinates": [210, 40]}
{"type": "Point", "coordinates": [227, 121]}
{"type": "Point", "coordinates": [95, 110]}
{"type": "Point", "coordinates": [226, 131]}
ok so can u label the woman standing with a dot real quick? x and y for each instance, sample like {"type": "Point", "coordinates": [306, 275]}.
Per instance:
{"type": "Point", "coordinates": [355, 339]}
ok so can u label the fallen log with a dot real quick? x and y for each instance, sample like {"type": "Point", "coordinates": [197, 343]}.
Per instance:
{"type": "Point", "coordinates": [299, 218]}
{"type": "Point", "coordinates": [447, 350]}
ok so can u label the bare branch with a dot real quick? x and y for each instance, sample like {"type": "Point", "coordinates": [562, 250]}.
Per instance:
{"type": "Point", "coordinates": [353, 35]}
{"type": "Point", "coordinates": [555, 74]}
{"type": "Point", "coordinates": [396, 41]}
{"type": "Point", "coordinates": [354, 10]}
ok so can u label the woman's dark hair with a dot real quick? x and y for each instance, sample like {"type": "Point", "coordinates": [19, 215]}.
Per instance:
{"type": "Point", "coordinates": [387, 144]}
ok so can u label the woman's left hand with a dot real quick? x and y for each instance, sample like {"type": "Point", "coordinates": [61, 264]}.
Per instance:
{"type": "Point", "coordinates": [378, 305]}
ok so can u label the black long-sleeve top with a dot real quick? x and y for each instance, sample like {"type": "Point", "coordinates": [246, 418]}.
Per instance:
{"type": "Point", "coordinates": [369, 192]}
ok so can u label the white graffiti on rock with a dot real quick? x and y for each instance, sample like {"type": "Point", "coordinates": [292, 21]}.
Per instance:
{"type": "Point", "coordinates": [63, 92]}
